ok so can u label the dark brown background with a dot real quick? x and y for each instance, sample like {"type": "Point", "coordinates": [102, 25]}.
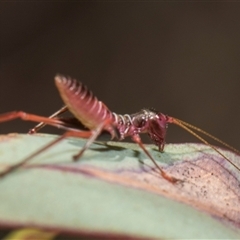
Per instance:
{"type": "Point", "coordinates": [180, 58]}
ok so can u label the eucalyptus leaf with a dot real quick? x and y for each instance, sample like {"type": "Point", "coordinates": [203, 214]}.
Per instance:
{"type": "Point", "coordinates": [114, 189]}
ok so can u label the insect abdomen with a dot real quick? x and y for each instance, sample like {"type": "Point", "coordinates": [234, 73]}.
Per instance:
{"type": "Point", "coordinates": [81, 102]}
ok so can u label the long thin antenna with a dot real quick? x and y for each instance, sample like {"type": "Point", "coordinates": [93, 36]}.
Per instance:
{"type": "Point", "coordinates": [188, 128]}
{"type": "Point", "coordinates": [207, 134]}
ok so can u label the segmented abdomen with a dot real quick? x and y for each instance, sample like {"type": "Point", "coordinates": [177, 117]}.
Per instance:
{"type": "Point", "coordinates": [82, 103]}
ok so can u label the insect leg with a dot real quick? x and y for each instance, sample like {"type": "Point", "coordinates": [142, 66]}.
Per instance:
{"type": "Point", "coordinates": [136, 138]}
{"type": "Point", "coordinates": [95, 133]}
{"type": "Point", "coordinates": [28, 117]}
{"type": "Point", "coordinates": [82, 134]}
{"type": "Point", "coordinates": [42, 124]}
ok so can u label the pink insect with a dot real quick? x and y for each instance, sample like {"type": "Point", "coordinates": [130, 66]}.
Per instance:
{"type": "Point", "coordinates": [94, 115]}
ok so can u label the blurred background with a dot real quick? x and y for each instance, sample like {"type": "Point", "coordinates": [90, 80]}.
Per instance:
{"type": "Point", "coordinates": [180, 58]}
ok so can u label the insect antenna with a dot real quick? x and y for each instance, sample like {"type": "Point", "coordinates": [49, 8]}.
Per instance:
{"type": "Point", "coordinates": [209, 135]}
{"type": "Point", "coordinates": [188, 127]}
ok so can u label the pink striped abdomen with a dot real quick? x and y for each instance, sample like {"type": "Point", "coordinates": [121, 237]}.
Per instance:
{"type": "Point", "coordinates": [82, 103]}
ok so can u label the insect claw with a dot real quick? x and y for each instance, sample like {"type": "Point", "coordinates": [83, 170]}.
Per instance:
{"type": "Point", "coordinates": [169, 178]}
{"type": "Point", "coordinates": [77, 156]}
{"type": "Point", "coordinates": [31, 131]}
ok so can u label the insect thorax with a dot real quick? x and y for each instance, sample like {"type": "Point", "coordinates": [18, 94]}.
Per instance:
{"type": "Point", "coordinates": [136, 123]}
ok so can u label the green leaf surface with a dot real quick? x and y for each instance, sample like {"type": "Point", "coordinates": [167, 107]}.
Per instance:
{"type": "Point", "coordinates": [114, 190]}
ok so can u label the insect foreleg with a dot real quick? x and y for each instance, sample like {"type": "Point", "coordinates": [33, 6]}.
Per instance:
{"type": "Point", "coordinates": [136, 138]}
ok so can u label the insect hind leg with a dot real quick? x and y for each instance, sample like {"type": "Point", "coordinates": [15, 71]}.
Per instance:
{"type": "Point", "coordinates": [42, 124]}
{"type": "Point", "coordinates": [29, 117]}
{"type": "Point", "coordinates": [82, 134]}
